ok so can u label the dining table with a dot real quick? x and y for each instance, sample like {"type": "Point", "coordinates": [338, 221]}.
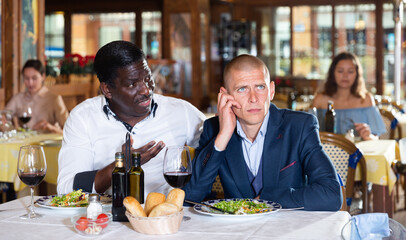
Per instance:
{"type": "Point", "coordinates": [9, 149]}
{"type": "Point", "coordinates": [379, 156]}
{"type": "Point", "coordinates": [282, 224]}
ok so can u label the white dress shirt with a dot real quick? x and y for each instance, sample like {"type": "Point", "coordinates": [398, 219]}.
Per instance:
{"type": "Point", "coordinates": [91, 138]}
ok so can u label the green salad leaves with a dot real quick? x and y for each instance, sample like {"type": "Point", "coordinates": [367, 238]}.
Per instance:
{"type": "Point", "coordinates": [74, 199]}
{"type": "Point", "coordinates": [243, 206]}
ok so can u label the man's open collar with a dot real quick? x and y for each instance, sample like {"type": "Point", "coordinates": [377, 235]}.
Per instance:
{"type": "Point", "coordinates": [107, 110]}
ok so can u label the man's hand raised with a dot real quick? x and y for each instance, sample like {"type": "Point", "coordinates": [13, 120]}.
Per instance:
{"type": "Point", "coordinates": [147, 151]}
{"type": "Point", "coordinates": [227, 118]}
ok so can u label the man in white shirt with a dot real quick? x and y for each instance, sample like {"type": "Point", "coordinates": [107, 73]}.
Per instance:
{"type": "Point", "coordinates": [96, 129]}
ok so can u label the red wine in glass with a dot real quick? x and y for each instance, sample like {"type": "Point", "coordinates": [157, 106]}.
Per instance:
{"type": "Point", "coordinates": [25, 119]}
{"type": "Point", "coordinates": [177, 179]}
{"type": "Point", "coordinates": [177, 167]}
{"type": "Point", "coordinates": [32, 178]}
{"type": "Point", "coordinates": [31, 169]}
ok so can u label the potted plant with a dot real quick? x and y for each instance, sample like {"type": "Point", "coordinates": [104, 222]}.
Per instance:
{"type": "Point", "coordinates": [76, 68]}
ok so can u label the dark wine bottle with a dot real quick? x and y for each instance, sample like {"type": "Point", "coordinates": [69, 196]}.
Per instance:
{"type": "Point", "coordinates": [119, 189]}
{"type": "Point", "coordinates": [330, 118]}
{"type": "Point", "coordinates": [135, 178]}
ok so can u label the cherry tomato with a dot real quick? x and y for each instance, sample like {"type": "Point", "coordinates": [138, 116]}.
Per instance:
{"type": "Point", "coordinates": [102, 218]}
{"type": "Point", "coordinates": [81, 223]}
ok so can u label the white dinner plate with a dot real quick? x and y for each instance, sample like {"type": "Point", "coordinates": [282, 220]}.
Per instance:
{"type": "Point", "coordinates": [45, 202]}
{"type": "Point", "coordinates": [275, 207]}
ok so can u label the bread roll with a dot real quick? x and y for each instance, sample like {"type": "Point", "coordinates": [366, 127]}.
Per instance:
{"type": "Point", "coordinates": [153, 199]}
{"type": "Point", "coordinates": [134, 207]}
{"type": "Point", "coordinates": [176, 196]}
{"type": "Point", "coordinates": [164, 209]}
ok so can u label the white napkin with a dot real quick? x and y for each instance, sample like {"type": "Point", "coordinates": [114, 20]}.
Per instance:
{"type": "Point", "coordinates": [371, 226]}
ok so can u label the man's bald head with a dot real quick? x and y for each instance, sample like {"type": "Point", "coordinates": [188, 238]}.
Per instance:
{"type": "Point", "coordinates": [245, 63]}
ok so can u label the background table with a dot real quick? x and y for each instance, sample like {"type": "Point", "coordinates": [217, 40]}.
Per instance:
{"type": "Point", "coordinates": [278, 225]}
{"type": "Point", "coordinates": [9, 157]}
{"type": "Point", "coordinates": [379, 156]}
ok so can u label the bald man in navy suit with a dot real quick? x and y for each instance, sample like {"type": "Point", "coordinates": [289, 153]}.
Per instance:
{"type": "Point", "coordinates": [261, 151]}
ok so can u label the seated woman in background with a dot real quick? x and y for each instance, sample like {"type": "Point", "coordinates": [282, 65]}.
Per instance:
{"type": "Point", "coordinates": [354, 105]}
{"type": "Point", "coordinates": [47, 111]}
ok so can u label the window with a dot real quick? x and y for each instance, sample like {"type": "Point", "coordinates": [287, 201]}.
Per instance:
{"type": "Point", "coordinates": [389, 49]}
{"type": "Point", "coordinates": [151, 34]}
{"type": "Point", "coordinates": [92, 31]}
{"type": "Point", "coordinates": [54, 41]}
{"type": "Point", "coordinates": [355, 32]}
{"type": "Point", "coordinates": [312, 47]}
{"type": "Point", "coordinates": [275, 39]}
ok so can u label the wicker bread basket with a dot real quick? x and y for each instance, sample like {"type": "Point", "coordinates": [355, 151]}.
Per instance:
{"type": "Point", "coordinates": [156, 225]}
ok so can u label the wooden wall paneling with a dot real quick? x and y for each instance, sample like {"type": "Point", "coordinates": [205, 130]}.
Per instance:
{"type": "Point", "coordinates": [41, 31]}
{"type": "Point", "coordinates": [2, 98]}
{"type": "Point", "coordinates": [2, 64]}
{"type": "Point", "coordinates": [196, 62]}
{"type": "Point", "coordinates": [204, 6]}
{"type": "Point", "coordinates": [19, 48]}
{"type": "Point", "coordinates": [138, 29]}
{"type": "Point", "coordinates": [100, 6]}
{"type": "Point", "coordinates": [380, 84]}
{"type": "Point", "coordinates": [67, 31]}
{"type": "Point", "coordinates": [72, 94]}
{"type": "Point", "coordinates": [10, 53]}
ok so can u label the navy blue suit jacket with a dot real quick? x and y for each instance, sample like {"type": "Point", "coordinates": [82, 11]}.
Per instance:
{"type": "Point", "coordinates": [296, 172]}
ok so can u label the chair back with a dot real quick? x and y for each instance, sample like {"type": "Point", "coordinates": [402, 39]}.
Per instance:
{"type": "Point", "coordinates": [340, 149]}
{"type": "Point", "coordinates": [217, 188]}
{"type": "Point", "coordinates": [391, 125]}
{"type": "Point", "coordinates": [386, 102]}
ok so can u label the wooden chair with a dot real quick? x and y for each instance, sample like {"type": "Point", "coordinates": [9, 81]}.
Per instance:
{"type": "Point", "coordinates": [386, 102]}
{"type": "Point", "coordinates": [339, 150]}
{"type": "Point", "coordinates": [393, 131]}
{"type": "Point", "coordinates": [392, 127]}
{"type": "Point", "coordinates": [400, 169]}
{"type": "Point", "coordinates": [217, 188]}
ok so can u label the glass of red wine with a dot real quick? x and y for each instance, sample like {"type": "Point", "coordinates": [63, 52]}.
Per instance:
{"type": "Point", "coordinates": [177, 167]}
{"type": "Point", "coordinates": [24, 115]}
{"type": "Point", "coordinates": [31, 169]}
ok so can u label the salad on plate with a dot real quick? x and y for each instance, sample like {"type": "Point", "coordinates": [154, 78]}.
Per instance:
{"type": "Point", "coordinates": [76, 198]}
{"type": "Point", "coordinates": [243, 206]}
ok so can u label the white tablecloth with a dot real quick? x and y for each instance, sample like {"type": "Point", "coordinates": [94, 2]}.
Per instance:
{"type": "Point", "coordinates": [279, 225]}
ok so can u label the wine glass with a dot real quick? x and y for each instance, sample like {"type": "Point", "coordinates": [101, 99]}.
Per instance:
{"type": "Point", "coordinates": [24, 115]}
{"type": "Point", "coordinates": [31, 169]}
{"type": "Point", "coordinates": [177, 167]}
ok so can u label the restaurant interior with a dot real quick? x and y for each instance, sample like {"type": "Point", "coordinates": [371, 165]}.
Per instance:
{"type": "Point", "coordinates": [188, 43]}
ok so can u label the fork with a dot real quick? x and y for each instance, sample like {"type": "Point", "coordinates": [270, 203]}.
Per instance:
{"type": "Point", "coordinates": [209, 206]}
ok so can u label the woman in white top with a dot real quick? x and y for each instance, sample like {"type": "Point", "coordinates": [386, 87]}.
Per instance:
{"type": "Point", "coordinates": [48, 111]}
{"type": "Point", "coordinates": [354, 105]}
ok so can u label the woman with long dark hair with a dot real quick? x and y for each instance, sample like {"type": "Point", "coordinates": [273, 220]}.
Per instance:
{"type": "Point", "coordinates": [45, 110]}
{"type": "Point", "coordinates": [354, 105]}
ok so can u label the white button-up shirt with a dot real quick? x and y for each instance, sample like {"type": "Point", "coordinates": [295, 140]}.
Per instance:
{"type": "Point", "coordinates": [91, 138]}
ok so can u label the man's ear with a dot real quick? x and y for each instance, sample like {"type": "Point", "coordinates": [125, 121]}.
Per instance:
{"type": "Point", "coordinates": [105, 89]}
{"type": "Point", "coordinates": [272, 90]}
